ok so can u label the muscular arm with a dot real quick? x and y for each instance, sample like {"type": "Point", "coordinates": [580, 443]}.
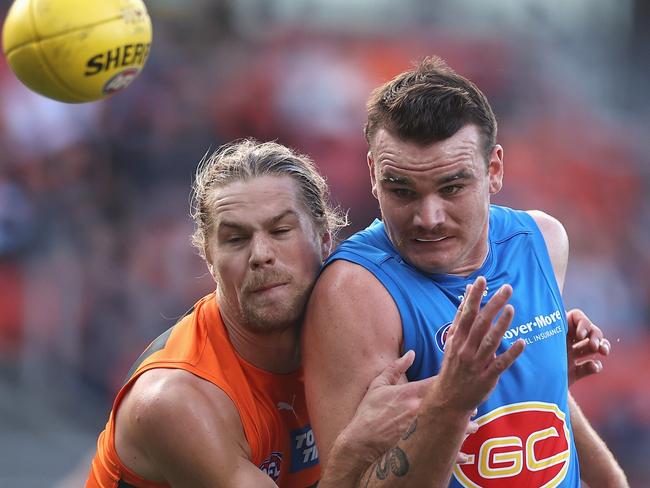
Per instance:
{"type": "Point", "coordinates": [177, 428]}
{"type": "Point", "coordinates": [598, 465]}
{"type": "Point", "coordinates": [352, 331]}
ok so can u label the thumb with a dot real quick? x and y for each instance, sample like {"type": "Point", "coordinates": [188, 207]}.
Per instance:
{"type": "Point", "coordinates": [394, 371]}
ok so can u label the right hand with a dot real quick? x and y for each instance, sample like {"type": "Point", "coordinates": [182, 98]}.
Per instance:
{"type": "Point", "coordinates": [470, 368]}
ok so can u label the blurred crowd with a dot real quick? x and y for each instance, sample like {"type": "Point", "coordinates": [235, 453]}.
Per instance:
{"type": "Point", "coordinates": [95, 259]}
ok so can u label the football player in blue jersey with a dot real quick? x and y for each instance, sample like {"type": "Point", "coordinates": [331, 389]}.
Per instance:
{"type": "Point", "coordinates": [441, 247]}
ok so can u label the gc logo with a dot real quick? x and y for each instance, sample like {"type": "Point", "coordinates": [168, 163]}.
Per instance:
{"type": "Point", "coordinates": [522, 444]}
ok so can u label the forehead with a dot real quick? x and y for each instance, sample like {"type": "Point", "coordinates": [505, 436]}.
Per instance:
{"type": "Point", "coordinates": [256, 200]}
{"type": "Point", "coordinates": [393, 155]}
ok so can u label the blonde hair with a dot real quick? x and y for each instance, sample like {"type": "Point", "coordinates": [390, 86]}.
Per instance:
{"type": "Point", "coordinates": [246, 159]}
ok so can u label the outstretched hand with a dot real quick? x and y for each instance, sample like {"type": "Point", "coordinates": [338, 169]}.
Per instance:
{"type": "Point", "coordinates": [585, 341]}
{"type": "Point", "coordinates": [471, 368]}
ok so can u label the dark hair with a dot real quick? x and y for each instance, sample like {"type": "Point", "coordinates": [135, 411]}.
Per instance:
{"type": "Point", "coordinates": [247, 159]}
{"type": "Point", "coordinates": [428, 104]}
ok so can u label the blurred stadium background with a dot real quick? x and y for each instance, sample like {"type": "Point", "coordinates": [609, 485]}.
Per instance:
{"type": "Point", "coordinates": [95, 259]}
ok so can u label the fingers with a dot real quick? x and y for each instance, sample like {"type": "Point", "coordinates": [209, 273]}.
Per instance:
{"type": "Point", "coordinates": [587, 368]}
{"type": "Point", "coordinates": [574, 318]}
{"type": "Point", "coordinates": [483, 337]}
{"type": "Point", "coordinates": [472, 427]}
{"type": "Point", "coordinates": [462, 458]}
{"type": "Point", "coordinates": [605, 347]}
{"type": "Point", "coordinates": [505, 360]}
{"type": "Point", "coordinates": [394, 370]}
{"type": "Point", "coordinates": [584, 328]}
{"type": "Point", "coordinates": [492, 339]}
{"type": "Point", "coordinates": [470, 308]}
{"type": "Point", "coordinates": [585, 347]}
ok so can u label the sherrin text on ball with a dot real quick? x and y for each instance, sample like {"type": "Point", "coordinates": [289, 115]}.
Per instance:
{"type": "Point", "coordinates": [77, 50]}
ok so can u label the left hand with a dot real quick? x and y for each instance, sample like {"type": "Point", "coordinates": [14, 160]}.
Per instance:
{"type": "Point", "coordinates": [386, 411]}
{"type": "Point", "coordinates": [584, 341]}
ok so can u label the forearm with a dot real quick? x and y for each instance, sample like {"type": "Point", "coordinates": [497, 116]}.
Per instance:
{"type": "Point", "coordinates": [598, 468]}
{"type": "Point", "coordinates": [345, 464]}
{"type": "Point", "coordinates": [423, 456]}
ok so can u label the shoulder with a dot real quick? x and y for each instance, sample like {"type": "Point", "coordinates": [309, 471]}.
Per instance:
{"type": "Point", "coordinates": [170, 411]}
{"type": "Point", "coordinates": [550, 227]}
{"type": "Point", "coordinates": [556, 239]}
{"type": "Point", "coordinates": [161, 396]}
{"type": "Point", "coordinates": [350, 289]}
{"type": "Point", "coordinates": [350, 313]}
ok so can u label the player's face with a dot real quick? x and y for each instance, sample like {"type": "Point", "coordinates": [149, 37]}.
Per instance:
{"type": "Point", "coordinates": [265, 253]}
{"type": "Point", "coordinates": [434, 199]}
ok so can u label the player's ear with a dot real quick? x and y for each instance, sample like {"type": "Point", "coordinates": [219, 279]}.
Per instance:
{"type": "Point", "coordinates": [371, 168]}
{"type": "Point", "coordinates": [495, 169]}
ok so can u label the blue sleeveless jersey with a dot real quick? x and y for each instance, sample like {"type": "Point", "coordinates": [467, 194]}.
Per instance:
{"type": "Point", "coordinates": [524, 436]}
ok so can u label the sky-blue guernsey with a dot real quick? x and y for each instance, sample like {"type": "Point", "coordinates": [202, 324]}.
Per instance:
{"type": "Point", "coordinates": [525, 436]}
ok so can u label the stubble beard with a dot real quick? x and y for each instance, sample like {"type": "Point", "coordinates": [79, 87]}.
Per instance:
{"type": "Point", "coordinates": [275, 316]}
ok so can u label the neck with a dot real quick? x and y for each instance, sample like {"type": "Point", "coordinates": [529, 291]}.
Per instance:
{"type": "Point", "coordinates": [275, 352]}
{"type": "Point", "coordinates": [475, 262]}
{"type": "Point", "coordinates": [475, 259]}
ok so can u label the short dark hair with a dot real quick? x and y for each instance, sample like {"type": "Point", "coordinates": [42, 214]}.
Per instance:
{"type": "Point", "coordinates": [246, 159]}
{"type": "Point", "coordinates": [429, 103]}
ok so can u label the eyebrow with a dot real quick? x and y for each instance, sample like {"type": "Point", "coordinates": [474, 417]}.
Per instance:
{"type": "Point", "coordinates": [463, 174]}
{"type": "Point", "coordinates": [392, 179]}
{"type": "Point", "coordinates": [272, 221]}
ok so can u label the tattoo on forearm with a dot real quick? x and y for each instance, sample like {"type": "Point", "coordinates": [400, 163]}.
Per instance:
{"type": "Point", "coordinates": [394, 461]}
{"type": "Point", "coordinates": [410, 430]}
{"type": "Point", "coordinates": [382, 467]}
{"type": "Point", "coordinates": [369, 476]}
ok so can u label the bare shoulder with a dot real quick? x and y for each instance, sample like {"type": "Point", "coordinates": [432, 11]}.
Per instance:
{"type": "Point", "coordinates": [167, 414]}
{"type": "Point", "coordinates": [557, 242]}
{"type": "Point", "coordinates": [350, 300]}
{"type": "Point", "coordinates": [550, 227]}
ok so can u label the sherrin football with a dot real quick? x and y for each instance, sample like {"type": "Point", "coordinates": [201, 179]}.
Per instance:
{"type": "Point", "coordinates": [76, 50]}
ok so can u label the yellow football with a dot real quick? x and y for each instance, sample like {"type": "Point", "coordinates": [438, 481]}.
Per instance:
{"type": "Point", "coordinates": [76, 50]}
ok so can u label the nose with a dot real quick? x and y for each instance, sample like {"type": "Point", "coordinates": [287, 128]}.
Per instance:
{"type": "Point", "coordinates": [262, 252]}
{"type": "Point", "coordinates": [430, 213]}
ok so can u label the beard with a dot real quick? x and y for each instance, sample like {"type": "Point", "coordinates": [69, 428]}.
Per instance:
{"type": "Point", "coordinates": [273, 314]}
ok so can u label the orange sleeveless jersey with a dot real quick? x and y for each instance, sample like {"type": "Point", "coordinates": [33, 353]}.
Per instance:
{"type": "Point", "coordinates": [271, 406]}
